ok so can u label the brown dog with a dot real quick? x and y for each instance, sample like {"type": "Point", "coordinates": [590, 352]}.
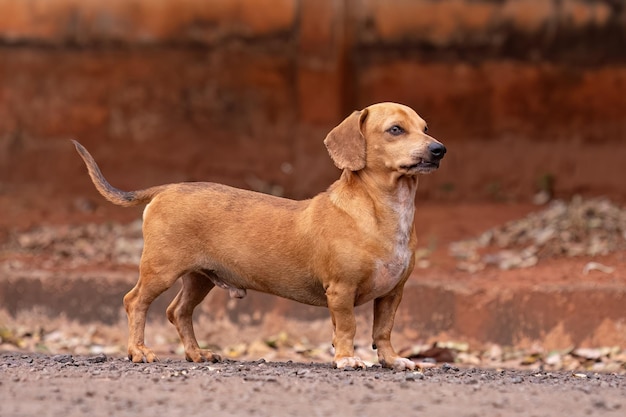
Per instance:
{"type": "Point", "coordinates": [349, 245]}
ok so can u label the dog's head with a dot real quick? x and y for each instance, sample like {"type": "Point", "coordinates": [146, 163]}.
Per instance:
{"type": "Point", "coordinates": [384, 136]}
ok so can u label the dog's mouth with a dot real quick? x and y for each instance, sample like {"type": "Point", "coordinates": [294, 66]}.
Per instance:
{"type": "Point", "coordinates": [421, 167]}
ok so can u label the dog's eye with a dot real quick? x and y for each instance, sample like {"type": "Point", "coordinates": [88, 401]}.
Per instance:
{"type": "Point", "coordinates": [395, 130]}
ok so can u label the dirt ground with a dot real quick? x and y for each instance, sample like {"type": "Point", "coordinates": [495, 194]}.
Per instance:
{"type": "Point", "coordinates": [64, 385]}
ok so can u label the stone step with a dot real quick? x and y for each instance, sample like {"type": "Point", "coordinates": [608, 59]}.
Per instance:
{"type": "Point", "coordinates": [478, 310]}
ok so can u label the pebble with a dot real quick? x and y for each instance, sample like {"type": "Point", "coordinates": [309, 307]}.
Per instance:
{"type": "Point", "coordinates": [101, 358]}
{"type": "Point", "coordinates": [447, 367]}
{"type": "Point", "coordinates": [63, 358]}
{"type": "Point", "coordinates": [414, 376]}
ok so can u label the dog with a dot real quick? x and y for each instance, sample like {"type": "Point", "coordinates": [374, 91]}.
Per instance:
{"type": "Point", "coordinates": [349, 245]}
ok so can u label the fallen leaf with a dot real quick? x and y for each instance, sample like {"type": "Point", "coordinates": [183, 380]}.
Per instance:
{"type": "Point", "coordinates": [596, 266]}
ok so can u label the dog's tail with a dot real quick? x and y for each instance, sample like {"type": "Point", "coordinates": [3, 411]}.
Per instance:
{"type": "Point", "coordinates": [114, 195]}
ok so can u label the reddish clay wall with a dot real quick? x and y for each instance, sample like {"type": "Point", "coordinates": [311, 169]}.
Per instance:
{"type": "Point", "coordinates": [244, 91]}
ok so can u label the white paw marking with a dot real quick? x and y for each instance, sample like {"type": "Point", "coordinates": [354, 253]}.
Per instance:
{"type": "Point", "coordinates": [352, 362]}
{"type": "Point", "coordinates": [403, 364]}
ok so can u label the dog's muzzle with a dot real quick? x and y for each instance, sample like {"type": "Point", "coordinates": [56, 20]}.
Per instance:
{"type": "Point", "coordinates": [436, 152]}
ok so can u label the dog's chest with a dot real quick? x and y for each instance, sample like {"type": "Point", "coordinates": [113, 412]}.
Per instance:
{"type": "Point", "coordinates": [393, 267]}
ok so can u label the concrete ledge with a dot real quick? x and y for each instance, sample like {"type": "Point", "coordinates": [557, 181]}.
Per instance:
{"type": "Point", "coordinates": [553, 315]}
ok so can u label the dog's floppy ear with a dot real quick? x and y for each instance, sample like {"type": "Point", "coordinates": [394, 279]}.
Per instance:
{"type": "Point", "coordinates": [346, 144]}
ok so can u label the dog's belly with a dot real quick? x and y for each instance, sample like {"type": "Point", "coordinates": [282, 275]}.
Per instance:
{"type": "Point", "coordinates": [306, 290]}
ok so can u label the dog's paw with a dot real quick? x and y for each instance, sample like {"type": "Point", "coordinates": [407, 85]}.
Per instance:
{"type": "Point", "coordinates": [202, 355]}
{"type": "Point", "coordinates": [139, 354]}
{"type": "Point", "coordinates": [404, 364]}
{"type": "Point", "coordinates": [349, 362]}
{"type": "Point", "coordinates": [400, 364]}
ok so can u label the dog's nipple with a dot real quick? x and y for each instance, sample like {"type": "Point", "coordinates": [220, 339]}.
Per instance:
{"type": "Point", "coordinates": [237, 292]}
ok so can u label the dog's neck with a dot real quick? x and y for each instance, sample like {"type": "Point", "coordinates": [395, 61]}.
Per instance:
{"type": "Point", "coordinates": [394, 189]}
{"type": "Point", "coordinates": [391, 198]}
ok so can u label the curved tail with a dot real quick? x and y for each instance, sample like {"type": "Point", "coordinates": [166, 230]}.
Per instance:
{"type": "Point", "coordinates": [114, 195]}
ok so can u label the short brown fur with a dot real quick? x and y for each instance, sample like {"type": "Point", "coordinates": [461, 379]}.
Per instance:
{"type": "Point", "coordinates": [349, 245]}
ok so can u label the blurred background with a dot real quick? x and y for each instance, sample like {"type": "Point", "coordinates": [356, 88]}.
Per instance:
{"type": "Point", "coordinates": [244, 91]}
{"type": "Point", "coordinates": [529, 96]}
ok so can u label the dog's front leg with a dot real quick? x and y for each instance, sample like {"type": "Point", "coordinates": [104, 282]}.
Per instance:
{"type": "Point", "coordinates": [341, 305]}
{"type": "Point", "coordinates": [384, 313]}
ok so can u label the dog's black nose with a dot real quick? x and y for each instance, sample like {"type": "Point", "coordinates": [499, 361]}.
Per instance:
{"type": "Point", "coordinates": [437, 150]}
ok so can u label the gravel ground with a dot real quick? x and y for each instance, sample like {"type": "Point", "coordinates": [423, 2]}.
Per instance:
{"type": "Point", "coordinates": [65, 385]}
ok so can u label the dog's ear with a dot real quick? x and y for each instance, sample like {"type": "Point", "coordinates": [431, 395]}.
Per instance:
{"type": "Point", "coordinates": [346, 144]}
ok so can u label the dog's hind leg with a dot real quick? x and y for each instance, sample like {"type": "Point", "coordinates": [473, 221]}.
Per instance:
{"type": "Point", "coordinates": [180, 313]}
{"type": "Point", "coordinates": [137, 302]}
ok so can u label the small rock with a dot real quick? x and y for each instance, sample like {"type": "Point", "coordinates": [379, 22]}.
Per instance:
{"type": "Point", "coordinates": [101, 358]}
{"type": "Point", "coordinates": [63, 358]}
{"type": "Point", "coordinates": [447, 367]}
{"type": "Point", "coordinates": [414, 376]}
